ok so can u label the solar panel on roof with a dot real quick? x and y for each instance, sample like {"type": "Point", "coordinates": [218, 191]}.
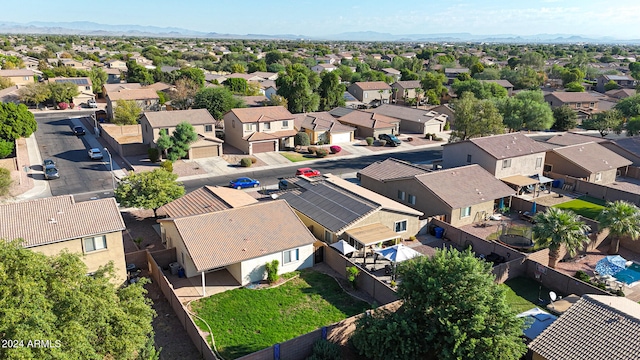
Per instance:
{"type": "Point", "coordinates": [73, 81]}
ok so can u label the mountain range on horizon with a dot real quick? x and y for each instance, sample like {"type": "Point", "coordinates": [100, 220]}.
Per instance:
{"type": "Point", "coordinates": [96, 29]}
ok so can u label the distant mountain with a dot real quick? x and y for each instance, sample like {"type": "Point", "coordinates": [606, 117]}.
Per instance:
{"type": "Point", "coordinates": [92, 28]}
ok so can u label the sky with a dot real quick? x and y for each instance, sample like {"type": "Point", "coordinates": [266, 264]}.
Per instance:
{"type": "Point", "coordinates": [618, 19]}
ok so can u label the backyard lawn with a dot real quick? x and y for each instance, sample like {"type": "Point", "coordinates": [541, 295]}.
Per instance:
{"type": "Point", "coordinates": [245, 320]}
{"type": "Point", "coordinates": [522, 294]}
{"type": "Point", "coordinates": [586, 206]}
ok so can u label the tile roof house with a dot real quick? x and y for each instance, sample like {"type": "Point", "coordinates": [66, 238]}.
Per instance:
{"type": "Point", "coordinates": [10, 95]}
{"type": "Point", "coordinates": [323, 67]}
{"type": "Point", "coordinates": [371, 92]}
{"type": "Point", "coordinates": [623, 81]}
{"type": "Point", "coordinates": [85, 88]}
{"type": "Point", "coordinates": [370, 124]}
{"type": "Point", "coordinates": [322, 127]}
{"type": "Point", "coordinates": [19, 77]}
{"type": "Point", "coordinates": [589, 161]}
{"type": "Point", "coordinates": [620, 94]}
{"type": "Point", "coordinates": [462, 195]}
{"type": "Point", "coordinates": [413, 120]}
{"type": "Point", "coordinates": [405, 90]}
{"type": "Point", "coordinates": [208, 145]}
{"type": "Point", "coordinates": [570, 138]}
{"type": "Point", "coordinates": [90, 228]}
{"type": "Point", "coordinates": [147, 99]}
{"type": "Point", "coordinates": [628, 148]}
{"type": "Point", "coordinates": [241, 240]}
{"type": "Point", "coordinates": [334, 209]}
{"type": "Point", "coordinates": [595, 327]}
{"type": "Point", "coordinates": [583, 103]}
{"type": "Point", "coordinates": [205, 200]}
{"type": "Point", "coordinates": [259, 129]}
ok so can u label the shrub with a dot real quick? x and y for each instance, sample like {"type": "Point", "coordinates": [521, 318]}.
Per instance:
{"type": "Point", "coordinates": [321, 153]}
{"type": "Point", "coordinates": [5, 181]}
{"type": "Point", "coordinates": [301, 139]}
{"type": "Point", "coordinates": [436, 138]}
{"type": "Point", "coordinates": [167, 165]}
{"type": "Point", "coordinates": [63, 106]}
{"type": "Point", "coordinates": [581, 275]}
{"type": "Point", "coordinates": [335, 149]}
{"type": "Point", "coordinates": [382, 142]}
{"type": "Point", "coordinates": [245, 162]}
{"type": "Point", "coordinates": [6, 148]}
{"type": "Point", "coordinates": [369, 140]}
{"type": "Point", "coordinates": [412, 238]}
{"type": "Point", "coordinates": [447, 126]}
{"type": "Point", "coordinates": [312, 150]}
{"type": "Point", "coordinates": [254, 160]}
{"type": "Point", "coordinates": [154, 155]}
{"type": "Point", "coordinates": [325, 350]}
{"type": "Point", "coordinates": [352, 275]}
{"type": "Point", "coordinates": [72, 105]}
{"type": "Point", "coordinates": [272, 271]}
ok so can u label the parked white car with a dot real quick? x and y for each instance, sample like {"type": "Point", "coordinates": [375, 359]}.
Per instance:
{"type": "Point", "coordinates": [95, 154]}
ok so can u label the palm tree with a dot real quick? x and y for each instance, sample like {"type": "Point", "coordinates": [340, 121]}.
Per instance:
{"type": "Point", "coordinates": [622, 219]}
{"type": "Point", "coordinates": [555, 228]}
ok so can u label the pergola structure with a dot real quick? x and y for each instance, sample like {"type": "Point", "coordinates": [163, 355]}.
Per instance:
{"type": "Point", "coordinates": [370, 235]}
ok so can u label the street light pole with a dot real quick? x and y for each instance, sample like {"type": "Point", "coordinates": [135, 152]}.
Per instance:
{"type": "Point", "coordinates": [113, 179]}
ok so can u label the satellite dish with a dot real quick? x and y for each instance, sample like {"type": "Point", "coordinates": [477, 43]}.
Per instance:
{"type": "Point", "coordinates": [552, 296]}
{"type": "Point", "coordinates": [274, 196]}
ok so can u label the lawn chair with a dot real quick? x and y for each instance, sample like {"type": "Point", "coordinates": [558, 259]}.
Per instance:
{"type": "Point", "coordinates": [388, 270]}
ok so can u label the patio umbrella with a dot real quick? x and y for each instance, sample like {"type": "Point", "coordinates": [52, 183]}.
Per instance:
{"type": "Point", "coordinates": [343, 247]}
{"type": "Point", "coordinates": [398, 253]}
{"type": "Point", "coordinates": [611, 265]}
{"type": "Point", "coordinates": [533, 208]}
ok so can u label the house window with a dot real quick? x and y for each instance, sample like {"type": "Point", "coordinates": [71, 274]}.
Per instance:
{"type": "Point", "coordinates": [328, 236]}
{"type": "Point", "coordinates": [412, 199]}
{"type": "Point", "coordinates": [26, 78]}
{"type": "Point", "coordinates": [401, 195]}
{"type": "Point", "coordinates": [577, 105]}
{"type": "Point", "coordinates": [366, 95]}
{"type": "Point", "coordinates": [147, 102]}
{"type": "Point", "coordinates": [233, 124]}
{"type": "Point", "coordinates": [506, 163]}
{"type": "Point", "coordinates": [285, 124]}
{"type": "Point", "coordinates": [538, 162]}
{"type": "Point", "coordinates": [547, 167]}
{"type": "Point", "coordinates": [401, 226]}
{"type": "Point", "coordinates": [599, 176]}
{"type": "Point", "coordinates": [465, 212]}
{"type": "Point", "coordinates": [208, 128]}
{"type": "Point", "coordinates": [592, 105]}
{"type": "Point", "coordinates": [267, 126]}
{"type": "Point", "coordinates": [469, 158]}
{"type": "Point", "coordinates": [247, 127]}
{"type": "Point", "coordinates": [87, 87]}
{"type": "Point", "coordinates": [95, 243]}
{"type": "Point", "coordinates": [290, 256]}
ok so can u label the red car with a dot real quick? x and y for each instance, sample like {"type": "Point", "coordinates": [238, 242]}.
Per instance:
{"type": "Point", "coordinates": [308, 172]}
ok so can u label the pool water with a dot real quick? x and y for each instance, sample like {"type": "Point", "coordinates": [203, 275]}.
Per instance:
{"type": "Point", "coordinates": [629, 275]}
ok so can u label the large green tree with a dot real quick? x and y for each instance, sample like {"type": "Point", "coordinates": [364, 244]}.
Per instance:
{"type": "Point", "coordinates": [556, 228]}
{"type": "Point", "coordinates": [331, 91]}
{"type": "Point", "coordinates": [629, 107]}
{"type": "Point", "coordinates": [63, 92]}
{"type": "Point", "coordinates": [481, 90]}
{"type": "Point", "coordinates": [622, 219]}
{"type": "Point", "coordinates": [218, 101]}
{"type": "Point", "coordinates": [148, 189]}
{"type": "Point", "coordinates": [194, 74]}
{"type": "Point", "coordinates": [297, 84]}
{"type": "Point", "coordinates": [5, 83]}
{"type": "Point", "coordinates": [526, 110]}
{"type": "Point", "coordinates": [35, 93]}
{"type": "Point", "coordinates": [564, 118]}
{"type": "Point", "coordinates": [127, 112]}
{"type": "Point", "coordinates": [137, 73]}
{"type": "Point", "coordinates": [84, 317]}
{"type": "Point", "coordinates": [183, 136]}
{"type": "Point", "coordinates": [16, 121]}
{"type": "Point", "coordinates": [98, 78]}
{"type": "Point", "coordinates": [475, 117]}
{"type": "Point", "coordinates": [452, 309]}
{"type": "Point", "coordinates": [164, 142]}
{"type": "Point", "coordinates": [604, 122]}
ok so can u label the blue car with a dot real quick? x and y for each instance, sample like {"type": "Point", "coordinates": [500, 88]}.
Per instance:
{"type": "Point", "coordinates": [244, 182]}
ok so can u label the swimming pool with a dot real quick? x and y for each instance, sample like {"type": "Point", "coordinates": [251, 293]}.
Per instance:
{"type": "Point", "coordinates": [630, 275]}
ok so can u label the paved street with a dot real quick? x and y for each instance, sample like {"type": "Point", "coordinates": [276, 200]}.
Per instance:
{"type": "Point", "coordinates": [78, 174]}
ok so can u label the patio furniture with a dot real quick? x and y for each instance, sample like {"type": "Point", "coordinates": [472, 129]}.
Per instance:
{"type": "Point", "coordinates": [388, 269]}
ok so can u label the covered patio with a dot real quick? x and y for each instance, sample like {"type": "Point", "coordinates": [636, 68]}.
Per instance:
{"type": "Point", "coordinates": [522, 184]}
{"type": "Point", "coordinates": [370, 236]}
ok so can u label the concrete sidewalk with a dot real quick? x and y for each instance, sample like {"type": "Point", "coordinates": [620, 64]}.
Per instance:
{"type": "Point", "coordinates": [40, 186]}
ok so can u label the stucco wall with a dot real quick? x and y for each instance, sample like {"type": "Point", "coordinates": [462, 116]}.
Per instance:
{"type": "Point", "coordinates": [254, 270]}
{"type": "Point", "coordinates": [454, 155]}
{"type": "Point", "coordinates": [521, 165]}
{"type": "Point", "coordinates": [388, 218]}
{"type": "Point", "coordinates": [175, 240]}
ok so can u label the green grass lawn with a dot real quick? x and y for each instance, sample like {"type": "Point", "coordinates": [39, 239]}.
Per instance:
{"type": "Point", "coordinates": [244, 320]}
{"type": "Point", "coordinates": [296, 157]}
{"type": "Point", "coordinates": [586, 206]}
{"type": "Point", "coordinates": [522, 293]}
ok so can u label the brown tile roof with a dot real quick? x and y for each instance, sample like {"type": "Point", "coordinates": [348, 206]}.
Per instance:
{"type": "Point", "coordinates": [410, 114]}
{"type": "Point", "coordinates": [372, 85]}
{"type": "Point", "coordinates": [262, 114]}
{"type": "Point", "coordinates": [507, 145]}
{"type": "Point", "coordinates": [248, 77]}
{"type": "Point", "coordinates": [205, 140]}
{"type": "Point", "coordinates": [159, 86]}
{"type": "Point", "coordinates": [60, 218]}
{"type": "Point", "coordinates": [117, 87]}
{"type": "Point", "coordinates": [595, 327]}
{"type": "Point", "coordinates": [572, 97]}
{"type": "Point", "coordinates": [592, 157]}
{"type": "Point", "coordinates": [465, 186]}
{"type": "Point", "coordinates": [16, 72]}
{"type": "Point", "coordinates": [320, 121]}
{"type": "Point", "coordinates": [368, 120]}
{"type": "Point", "coordinates": [133, 94]}
{"type": "Point", "coordinates": [573, 139]}
{"type": "Point", "coordinates": [408, 84]}
{"type": "Point", "coordinates": [391, 169]}
{"type": "Point", "coordinates": [503, 83]}
{"type": "Point", "coordinates": [205, 200]}
{"type": "Point", "coordinates": [258, 136]}
{"type": "Point", "coordinates": [163, 119]}
{"type": "Point", "coordinates": [234, 235]}
{"type": "Point", "coordinates": [631, 144]}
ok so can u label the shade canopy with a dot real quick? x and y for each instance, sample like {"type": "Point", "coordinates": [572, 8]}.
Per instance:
{"type": "Point", "coordinates": [372, 234]}
{"type": "Point", "coordinates": [611, 265]}
{"type": "Point", "coordinates": [520, 180]}
{"type": "Point", "coordinates": [343, 247]}
{"type": "Point", "coordinates": [398, 253]}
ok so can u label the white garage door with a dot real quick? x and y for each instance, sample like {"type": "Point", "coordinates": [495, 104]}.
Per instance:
{"type": "Point", "coordinates": [340, 138]}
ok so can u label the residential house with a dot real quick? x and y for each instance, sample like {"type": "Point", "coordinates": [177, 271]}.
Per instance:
{"type": "Point", "coordinates": [205, 200]}
{"type": "Point", "coordinates": [413, 120]}
{"type": "Point", "coordinates": [629, 148]}
{"type": "Point", "coordinates": [504, 83]}
{"type": "Point", "coordinates": [323, 128]}
{"type": "Point", "coordinates": [114, 76]}
{"type": "Point", "coordinates": [19, 77]}
{"type": "Point", "coordinates": [595, 327]}
{"type": "Point", "coordinates": [10, 95]}
{"type": "Point", "coordinates": [247, 77]}
{"type": "Point", "coordinates": [371, 91]}
{"type": "Point", "coordinates": [623, 81]}
{"type": "Point", "coordinates": [405, 90]}
{"type": "Point", "coordinates": [461, 195]}
{"type": "Point", "coordinates": [582, 103]}
{"type": "Point", "coordinates": [147, 99]}
{"type": "Point", "coordinates": [85, 88]}
{"type": "Point", "coordinates": [446, 110]}
{"type": "Point", "coordinates": [90, 228]}
{"type": "Point", "coordinates": [259, 129]}
{"type": "Point", "coordinates": [106, 88]}
{"type": "Point", "coordinates": [207, 145]}
{"type": "Point", "coordinates": [74, 64]}
{"type": "Point", "coordinates": [334, 208]}
{"type": "Point", "coordinates": [370, 124]}
{"type": "Point", "coordinates": [452, 73]}
{"type": "Point", "coordinates": [323, 67]}
{"type": "Point", "coordinates": [395, 74]}
{"type": "Point", "coordinates": [241, 240]}
{"type": "Point", "coordinates": [570, 138]}
{"type": "Point", "coordinates": [265, 75]}
{"type": "Point", "coordinates": [588, 161]}
{"type": "Point", "coordinates": [117, 64]}
{"type": "Point", "coordinates": [620, 94]}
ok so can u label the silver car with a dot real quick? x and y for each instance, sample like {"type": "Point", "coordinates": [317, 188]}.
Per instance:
{"type": "Point", "coordinates": [50, 170]}
{"type": "Point", "coordinates": [95, 154]}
